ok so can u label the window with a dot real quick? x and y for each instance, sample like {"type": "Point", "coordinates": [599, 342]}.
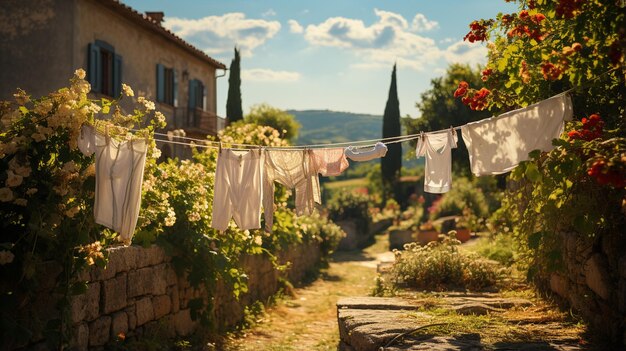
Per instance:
{"type": "Point", "coordinates": [104, 69]}
{"type": "Point", "coordinates": [196, 101]}
{"type": "Point", "coordinates": [167, 85]}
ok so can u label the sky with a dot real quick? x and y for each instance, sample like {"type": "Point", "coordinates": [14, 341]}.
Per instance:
{"type": "Point", "coordinates": [330, 54]}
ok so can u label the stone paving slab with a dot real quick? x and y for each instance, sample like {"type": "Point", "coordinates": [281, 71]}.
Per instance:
{"type": "Point", "coordinates": [373, 323]}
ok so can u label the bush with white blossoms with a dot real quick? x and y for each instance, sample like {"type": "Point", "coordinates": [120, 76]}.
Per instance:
{"type": "Point", "coordinates": [46, 197]}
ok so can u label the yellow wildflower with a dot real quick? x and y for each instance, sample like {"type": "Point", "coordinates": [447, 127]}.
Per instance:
{"type": "Point", "coordinates": [128, 91]}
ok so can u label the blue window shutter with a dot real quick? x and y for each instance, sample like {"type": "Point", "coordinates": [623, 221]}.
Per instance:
{"type": "Point", "coordinates": [192, 93]}
{"type": "Point", "coordinates": [94, 67]}
{"type": "Point", "coordinates": [160, 82]}
{"type": "Point", "coordinates": [117, 76]}
{"type": "Point", "coordinates": [175, 87]}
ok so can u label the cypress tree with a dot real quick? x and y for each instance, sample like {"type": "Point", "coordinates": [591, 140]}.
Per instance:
{"type": "Point", "coordinates": [390, 164]}
{"type": "Point", "coordinates": [234, 112]}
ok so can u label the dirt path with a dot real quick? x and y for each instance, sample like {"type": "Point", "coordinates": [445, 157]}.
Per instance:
{"type": "Point", "coordinates": [309, 321]}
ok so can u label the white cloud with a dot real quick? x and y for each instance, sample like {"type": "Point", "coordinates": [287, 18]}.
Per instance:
{"type": "Point", "coordinates": [464, 52]}
{"type": "Point", "coordinates": [390, 39]}
{"type": "Point", "coordinates": [269, 13]}
{"type": "Point", "coordinates": [447, 40]}
{"type": "Point", "coordinates": [422, 24]}
{"type": "Point", "coordinates": [268, 75]}
{"type": "Point", "coordinates": [295, 27]}
{"type": "Point", "coordinates": [218, 35]}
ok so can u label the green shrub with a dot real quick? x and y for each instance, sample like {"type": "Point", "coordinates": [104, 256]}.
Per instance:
{"type": "Point", "coordinates": [350, 205]}
{"type": "Point", "coordinates": [323, 230]}
{"type": "Point", "coordinates": [441, 266]}
{"type": "Point", "coordinates": [464, 194]}
{"type": "Point", "coordinates": [497, 247]}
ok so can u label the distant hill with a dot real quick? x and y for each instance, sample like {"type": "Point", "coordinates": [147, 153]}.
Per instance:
{"type": "Point", "coordinates": [325, 126]}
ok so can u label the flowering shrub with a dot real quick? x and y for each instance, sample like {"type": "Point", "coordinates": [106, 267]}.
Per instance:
{"type": "Point", "coordinates": [543, 49]}
{"type": "Point", "coordinates": [439, 266]}
{"type": "Point", "coordinates": [46, 200]}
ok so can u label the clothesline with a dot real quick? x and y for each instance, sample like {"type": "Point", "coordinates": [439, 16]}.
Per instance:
{"type": "Point", "coordinates": [211, 144]}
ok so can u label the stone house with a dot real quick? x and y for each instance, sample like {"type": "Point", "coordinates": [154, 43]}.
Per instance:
{"type": "Point", "coordinates": [43, 41]}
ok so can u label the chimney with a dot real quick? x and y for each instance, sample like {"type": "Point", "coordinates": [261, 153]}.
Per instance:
{"type": "Point", "coordinates": [156, 17]}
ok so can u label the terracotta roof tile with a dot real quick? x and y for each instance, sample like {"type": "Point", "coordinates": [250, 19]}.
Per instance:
{"type": "Point", "coordinates": [155, 26]}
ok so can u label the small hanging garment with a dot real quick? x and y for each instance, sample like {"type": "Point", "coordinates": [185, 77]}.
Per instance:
{"type": "Point", "coordinates": [238, 189]}
{"type": "Point", "coordinates": [294, 169]}
{"type": "Point", "coordinates": [330, 162]}
{"type": "Point", "coordinates": [119, 175]}
{"type": "Point", "coordinates": [437, 148]}
{"type": "Point", "coordinates": [498, 144]}
{"type": "Point", "coordinates": [360, 154]}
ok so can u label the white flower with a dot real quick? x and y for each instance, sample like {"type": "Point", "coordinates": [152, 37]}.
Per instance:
{"type": "Point", "coordinates": [258, 240]}
{"type": "Point", "coordinates": [21, 202]}
{"type": "Point", "coordinates": [31, 191]}
{"type": "Point", "coordinates": [156, 153]}
{"type": "Point", "coordinates": [128, 91]}
{"type": "Point", "coordinates": [80, 73]}
{"type": "Point", "coordinates": [6, 257]}
{"type": "Point", "coordinates": [159, 117]}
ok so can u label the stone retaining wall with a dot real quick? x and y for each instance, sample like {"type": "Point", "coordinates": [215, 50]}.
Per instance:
{"type": "Point", "coordinates": [593, 281]}
{"type": "Point", "coordinates": [139, 291]}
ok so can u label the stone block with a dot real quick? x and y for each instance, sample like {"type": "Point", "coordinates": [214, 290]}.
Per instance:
{"type": "Point", "coordinates": [162, 305]}
{"type": "Point", "coordinates": [559, 285]}
{"type": "Point", "coordinates": [80, 340]}
{"type": "Point", "coordinates": [99, 331]}
{"type": "Point", "coordinates": [86, 307]}
{"type": "Point", "coordinates": [174, 295]}
{"type": "Point", "coordinates": [150, 256]}
{"type": "Point", "coordinates": [114, 293]}
{"type": "Point", "coordinates": [132, 317]}
{"type": "Point", "coordinates": [120, 259]}
{"type": "Point", "coordinates": [597, 276]}
{"type": "Point", "coordinates": [170, 276]}
{"type": "Point", "coordinates": [160, 279]}
{"type": "Point", "coordinates": [119, 324]}
{"type": "Point", "coordinates": [145, 311]}
{"type": "Point", "coordinates": [183, 323]}
{"type": "Point", "coordinates": [149, 280]}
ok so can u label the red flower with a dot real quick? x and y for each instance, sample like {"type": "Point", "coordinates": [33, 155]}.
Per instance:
{"type": "Point", "coordinates": [550, 71]}
{"type": "Point", "coordinates": [478, 31]}
{"type": "Point", "coordinates": [462, 89]}
{"type": "Point", "coordinates": [486, 73]}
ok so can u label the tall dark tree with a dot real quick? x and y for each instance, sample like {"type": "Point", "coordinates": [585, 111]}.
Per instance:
{"type": "Point", "coordinates": [234, 112]}
{"type": "Point", "coordinates": [390, 164]}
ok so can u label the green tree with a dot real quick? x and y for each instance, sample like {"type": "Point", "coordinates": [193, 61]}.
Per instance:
{"type": "Point", "coordinates": [234, 112]}
{"type": "Point", "coordinates": [392, 162]}
{"type": "Point", "coordinates": [440, 110]}
{"type": "Point", "coordinates": [283, 122]}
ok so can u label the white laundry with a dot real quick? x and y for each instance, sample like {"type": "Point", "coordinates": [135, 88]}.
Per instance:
{"type": "Point", "coordinates": [330, 162]}
{"type": "Point", "coordinates": [437, 148]}
{"type": "Point", "coordinates": [498, 144]}
{"type": "Point", "coordinates": [294, 169]}
{"type": "Point", "coordinates": [87, 140]}
{"type": "Point", "coordinates": [119, 175]}
{"type": "Point", "coordinates": [238, 189]}
{"type": "Point", "coordinates": [361, 154]}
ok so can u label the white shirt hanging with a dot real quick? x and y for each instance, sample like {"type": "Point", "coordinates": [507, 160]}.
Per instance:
{"type": "Point", "coordinates": [498, 144]}
{"type": "Point", "coordinates": [437, 148]}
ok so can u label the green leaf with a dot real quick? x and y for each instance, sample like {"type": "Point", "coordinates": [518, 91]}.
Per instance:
{"type": "Point", "coordinates": [23, 110]}
{"type": "Point", "coordinates": [532, 173]}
